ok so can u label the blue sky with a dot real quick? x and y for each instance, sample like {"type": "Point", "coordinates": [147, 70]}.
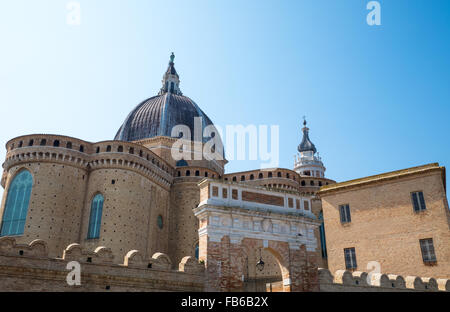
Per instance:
{"type": "Point", "coordinates": [376, 97]}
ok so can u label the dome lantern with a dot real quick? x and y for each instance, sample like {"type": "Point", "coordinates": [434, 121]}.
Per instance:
{"type": "Point", "coordinates": [171, 80]}
{"type": "Point", "coordinates": [306, 145]}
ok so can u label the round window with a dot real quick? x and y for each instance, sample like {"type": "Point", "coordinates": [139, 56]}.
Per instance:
{"type": "Point", "coordinates": [160, 221]}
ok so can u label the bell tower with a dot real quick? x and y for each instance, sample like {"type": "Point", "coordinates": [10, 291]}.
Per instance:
{"type": "Point", "coordinates": [307, 163]}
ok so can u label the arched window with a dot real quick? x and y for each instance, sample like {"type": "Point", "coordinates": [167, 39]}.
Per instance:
{"type": "Point", "coordinates": [270, 174]}
{"type": "Point", "coordinates": [56, 143]}
{"type": "Point", "coordinates": [69, 145]}
{"type": "Point", "coordinates": [108, 148]}
{"type": "Point", "coordinates": [279, 174]}
{"type": "Point", "coordinates": [16, 208]}
{"type": "Point", "coordinates": [95, 218]}
{"type": "Point", "coordinates": [197, 250]}
{"type": "Point", "coordinates": [260, 176]}
{"type": "Point", "coordinates": [252, 177]}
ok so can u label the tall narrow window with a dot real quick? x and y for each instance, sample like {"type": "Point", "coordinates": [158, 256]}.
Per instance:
{"type": "Point", "coordinates": [427, 248]}
{"type": "Point", "coordinates": [197, 249]}
{"type": "Point", "coordinates": [418, 201]}
{"type": "Point", "coordinates": [345, 213]}
{"type": "Point", "coordinates": [323, 243]}
{"type": "Point", "coordinates": [350, 258]}
{"type": "Point", "coordinates": [17, 201]}
{"type": "Point", "coordinates": [95, 218]}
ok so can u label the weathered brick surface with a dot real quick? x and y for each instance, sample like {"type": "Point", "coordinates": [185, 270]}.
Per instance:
{"type": "Point", "coordinates": [225, 264]}
{"type": "Point", "coordinates": [385, 228]}
{"type": "Point", "coordinates": [262, 198]}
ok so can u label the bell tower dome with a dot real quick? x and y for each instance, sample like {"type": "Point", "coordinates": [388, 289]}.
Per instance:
{"type": "Point", "coordinates": [307, 163]}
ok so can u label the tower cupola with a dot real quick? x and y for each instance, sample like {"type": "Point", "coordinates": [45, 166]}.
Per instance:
{"type": "Point", "coordinates": [306, 162]}
{"type": "Point", "coordinates": [306, 145]}
{"type": "Point", "coordinates": [171, 80]}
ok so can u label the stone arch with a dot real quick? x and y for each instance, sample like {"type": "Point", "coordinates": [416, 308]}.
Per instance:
{"type": "Point", "coordinates": [283, 263]}
{"type": "Point", "coordinates": [271, 253]}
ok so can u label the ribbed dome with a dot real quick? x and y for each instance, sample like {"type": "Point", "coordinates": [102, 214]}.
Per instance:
{"type": "Point", "coordinates": [157, 116]}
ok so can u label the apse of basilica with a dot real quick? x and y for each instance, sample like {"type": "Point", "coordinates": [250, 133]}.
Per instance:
{"type": "Point", "coordinates": [180, 224]}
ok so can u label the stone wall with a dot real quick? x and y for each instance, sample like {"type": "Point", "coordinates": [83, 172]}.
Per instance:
{"type": "Point", "coordinates": [67, 173]}
{"type": "Point", "coordinates": [346, 281]}
{"type": "Point", "coordinates": [384, 226]}
{"type": "Point", "coordinates": [28, 267]}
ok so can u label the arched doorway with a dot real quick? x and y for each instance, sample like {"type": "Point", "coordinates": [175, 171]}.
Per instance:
{"type": "Point", "coordinates": [268, 278]}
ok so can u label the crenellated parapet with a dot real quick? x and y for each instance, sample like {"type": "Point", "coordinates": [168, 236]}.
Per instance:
{"type": "Point", "coordinates": [88, 156]}
{"type": "Point", "coordinates": [344, 281]}
{"type": "Point", "coordinates": [23, 264]}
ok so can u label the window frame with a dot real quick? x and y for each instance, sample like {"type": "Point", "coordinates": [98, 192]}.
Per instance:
{"type": "Point", "coordinates": [353, 265]}
{"type": "Point", "coordinates": [95, 232]}
{"type": "Point", "coordinates": [345, 217]}
{"type": "Point", "coordinates": [428, 258]}
{"type": "Point", "coordinates": [421, 204]}
{"type": "Point", "coordinates": [23, 188]}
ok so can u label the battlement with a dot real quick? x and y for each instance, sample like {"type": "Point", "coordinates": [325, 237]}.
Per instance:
{"type": "Point", "coordinates": [346, 281]}
{"type": "Point", "coordinates": [84, 155]}
{"type": "Point", "coordinates": [27, 267]}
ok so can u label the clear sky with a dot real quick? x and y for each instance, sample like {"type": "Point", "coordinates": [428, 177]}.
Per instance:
{"type": "Point", "coordinates": [376, 97]}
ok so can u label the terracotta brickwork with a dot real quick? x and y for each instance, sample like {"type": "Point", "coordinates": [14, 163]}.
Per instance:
{"type": "Point", "coordinates": [384, 226]}
{"type": "Point", "coordinates": [357, 281]}
{"type": "Point", "coordinates": [28, 267]}
{"type": "Point", "coordinates": [262, 198]}
{"type": "Point", "coordinates": [225, 264]}
{"type": "Point", "coordinates": [183, 236]}
{"type": "Point", "coordinates": [230, 237]}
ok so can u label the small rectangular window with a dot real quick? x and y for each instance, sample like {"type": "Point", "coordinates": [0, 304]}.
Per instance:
{"type": "Point", "coordinates": [350, 258]}
{"type": "Point", "coordinates": [344, 211]}
{"type": "Point", "coordinates": [215, 191]}
{"type": "Point", "coordinates": [427, 248]}
{"type": "Point", "coordinates": [306, 205]}
{"type": "Point", "coordinates": [290, 203]}
{"type": "Point", "coordinates": [418, 201]}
